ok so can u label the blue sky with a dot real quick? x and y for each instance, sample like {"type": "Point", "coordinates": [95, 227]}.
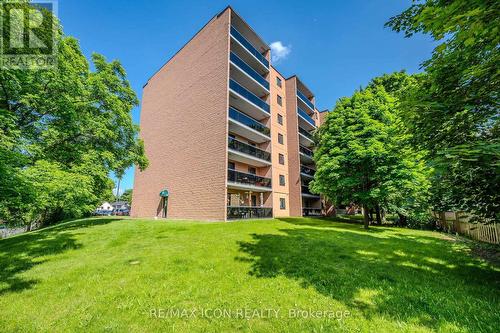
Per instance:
{"type": "Point", "coordinates": [334, 46]}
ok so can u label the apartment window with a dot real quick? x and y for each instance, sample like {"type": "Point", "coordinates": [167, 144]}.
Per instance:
{"type": "Point", "coordinates": [282, 180]}
{"type": "Point", "coordinates": [281, 159]}
{"type": "Point", "coordinates": [280, 119]}
{"type": "Point", "coordinates": [278, 81]}
{"type": "Point", "coordinates": [280, 138]}
{"type": "Point", "coordinates": [282, 203]}
{"type": "Point", "coordinates": [230, 165]}
{"type": "Point", "coordinates": [252, 171]}
{"type": "Point", "coordinates": [279, 100]}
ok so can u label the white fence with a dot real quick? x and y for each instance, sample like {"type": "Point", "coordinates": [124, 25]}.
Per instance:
{"type": "Point", "coordinates": [459, 222]}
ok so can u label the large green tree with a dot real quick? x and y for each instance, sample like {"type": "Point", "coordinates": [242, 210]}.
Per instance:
{"type": "Point", "coordinates": [453, 112]}
{"type": "Point", "coordinates": [63, 131]}
{"type": "Point", "coordinates": [361, 155]}
{"type": "Point", "coordinates": [127, 196]}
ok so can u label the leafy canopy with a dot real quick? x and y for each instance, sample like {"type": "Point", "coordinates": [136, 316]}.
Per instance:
{"type": "Point", "coordinates": [453, 112]}
{"type": "Point", "coordinates": [362, 155]}
{"type": "Point", "coordinates": [62, 132]}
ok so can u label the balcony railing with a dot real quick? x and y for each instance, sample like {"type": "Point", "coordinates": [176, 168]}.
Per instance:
{"type": "Point", "coordinates": [239, 37]}
{"type": "Point", "coordinates": [306, 133]}
{"type": "Point", "coordinates": [304, 115]}
{"type": "Point", "coordinates": [238, 88]}
{"type": "Point", "coordinates": [248, 149]}
{"type": "Point", "coordinates": [305, 190]}
{"type": "Point", "coordinates": [247, 179]}
{"type": "Point", "coordinates": [248, 212]}
{"type": "Point", "coordinates": [249, 70]}
{"type": "Point", "coordinates": [307, 171]}
{"type": "Point", "coordinates": [248, 121]}
{"type": "Point", "coordinates": [308, 211]}
{"type": "Point", "coordinates": [305, 151]}
{"type": "Point", "coordinates": [305, 100]}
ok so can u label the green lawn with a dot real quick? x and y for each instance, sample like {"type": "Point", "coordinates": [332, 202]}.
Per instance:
{"type": "Point", "coordinates": [124, 275]}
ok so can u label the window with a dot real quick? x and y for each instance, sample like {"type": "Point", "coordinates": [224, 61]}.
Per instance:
{"type": "Point", "coordinates": [280, 119]}
{"type": "Point", "coordinates": [282, 180]}
{"type": "Point", "coordinates": [279, 100]}
{"type": "Point", "coordinates": [230, 165]}
{"type": "Point", "coordinates": [280, 138]}
{"type": "Point", "coordinates": [252, 171]}
{"type": "Point", "coordinates": [278, 81]}
{"type": "Point", "coordinates": [282, 203]}
{"type": "Point", "coordinates": [281, 159]}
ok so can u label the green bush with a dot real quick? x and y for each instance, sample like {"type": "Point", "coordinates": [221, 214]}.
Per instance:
{"type": "Point", "coordinates": [423, 221]}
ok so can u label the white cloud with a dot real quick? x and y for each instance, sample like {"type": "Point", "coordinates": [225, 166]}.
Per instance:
{"type": "Point", "coordinates": [279, 51]}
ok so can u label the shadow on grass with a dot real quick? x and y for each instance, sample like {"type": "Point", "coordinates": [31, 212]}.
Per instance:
{"type": "Point", "coordinates": [330, 222]}
{"type": "Point", "coordinates": [20, 253]}
{"type": "Point", "coordinates": [416, 279]}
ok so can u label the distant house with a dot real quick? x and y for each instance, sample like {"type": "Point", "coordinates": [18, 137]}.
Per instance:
{"type": "Point", "coordinates": [120, 205]}
{"type": "Point", "coordinates": [105, 206]}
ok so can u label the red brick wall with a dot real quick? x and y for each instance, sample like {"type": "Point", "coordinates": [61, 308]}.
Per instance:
{"type": "Point", "coordinates": [295, 198]}
{"type": "Point", "coordinates": [322, 117]}
{"type": "Point", "coordinates": [184, 127]}
{"type": "Point", "coordinates": [279, 191]}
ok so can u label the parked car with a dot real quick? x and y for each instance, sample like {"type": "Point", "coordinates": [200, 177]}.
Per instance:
{"type": "Point", "coordinates": [121, 212]}
{"type": "Point", "coordinates": [102, 212]}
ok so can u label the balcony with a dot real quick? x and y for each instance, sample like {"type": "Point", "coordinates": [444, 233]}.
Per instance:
{"type": "Point", "coordinates": [305, 138]}
{"type": "Point", "coordinates": [305, 100]}
{"type": "Point", "coordinates": [244, 100]}
{"type": "Point", "coordinates": [248, 154]}
{"type": "Point", "coordinates": [309, 211]}
{"type": "Point", "coordinates": [307, 172]}
{"type": "Point", "coordinates": [247, 181]}
{"type": "Point", "coordinates": [249, 48]}
{"type": "Point", "coordinates": [305, 120]}
{"type": "Point", "coordinates": [306, 155]}
{"type": "Point", "coordinates": [243, 125]}
{"type": "Point", "coordinates": [248, 212]}
{"type": "Point", "coordinates": [307, 193]}
{"type": "Point", "coordinates": [244, 73]}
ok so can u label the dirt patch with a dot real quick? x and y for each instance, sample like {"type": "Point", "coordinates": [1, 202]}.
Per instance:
{"type": "Point", "coordinates": [488, 252]}
{"type": "Point", "coordinates": [485, 251]}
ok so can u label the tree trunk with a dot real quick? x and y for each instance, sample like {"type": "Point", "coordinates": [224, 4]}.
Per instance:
{"type": "Point", "coordinates": [402, 220]}
{"type": "Point", "coordinates": [379, 217]}
{"type": "Point", "coordinates": [366, 215]}
{"type": "Point", "coordinates": [118, 191]}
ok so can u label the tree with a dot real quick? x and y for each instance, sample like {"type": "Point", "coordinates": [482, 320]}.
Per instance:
{"type": "Point", "coordinates": [60, 193]}
{"type": "Point", "coordinates": [16, 192]}
{"type": "Point", "coordinates": [69, 120]}
{"type": "Point", "coordinates": [127, 196]}
{"type": "Point", "coordinates": [361, 155]}
{"type": "Point", "coordinates": [453, 112]}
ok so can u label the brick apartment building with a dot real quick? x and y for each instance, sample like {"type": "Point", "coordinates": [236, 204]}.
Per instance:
{"type": "Point", "coordinates": [227, 136]}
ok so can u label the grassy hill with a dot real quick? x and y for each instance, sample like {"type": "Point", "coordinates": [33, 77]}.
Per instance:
{"type": "Point", "coordinates": [126, 275]}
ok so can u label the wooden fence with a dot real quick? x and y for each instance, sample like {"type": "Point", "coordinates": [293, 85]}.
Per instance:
{"type": "Point", "coordinates": [458, 222]}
